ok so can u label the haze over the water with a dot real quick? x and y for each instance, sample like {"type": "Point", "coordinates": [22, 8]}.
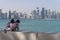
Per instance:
{"type": "Point", "coordinates": [29, 5]}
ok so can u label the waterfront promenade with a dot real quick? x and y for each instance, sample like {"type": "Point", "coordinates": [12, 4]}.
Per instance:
{"type": "Point", "coordinates": [29, 36]}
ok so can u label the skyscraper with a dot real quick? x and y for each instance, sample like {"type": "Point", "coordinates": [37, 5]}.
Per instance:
{"type": "Point", "coordinates": [37, 14]}
{"type": "Point", "coordinates": [33, 14]}
{"type": "Point", "coordinates": [58, 15]}
{"type": "Point", "coordinates": [9, 14]}
{"type": "Point", "coordinates": [5, 15]}
{"type": "Point", "coordinates": [21, 15]}
{"type": "Point", "coordinates": [45, 14]}
{"type": "Point", "coordinates": [16, 15]}
{"type": "Point", "coordinates": [53, 16]}
{"type": "Point", "coordinates": [25, 15]}
{"type": "Point", "coordinates": [42, 13]}
{"type": "Point", "coordinates": [13, 15]}
{"type": "Point", "coordinates": [49, 14]}
{"type": "Point", "coordinates": [2, 16]}
{"type": "Point", "coordinates": [0, 13]}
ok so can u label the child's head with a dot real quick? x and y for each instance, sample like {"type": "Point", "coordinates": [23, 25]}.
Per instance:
{"type": "Point", "coordinates": [18, 21]}
{"type": "Point", "coordinates": [12, 21]}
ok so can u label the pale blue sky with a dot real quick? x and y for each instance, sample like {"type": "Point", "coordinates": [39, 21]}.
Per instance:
{"type": "Point", "coordinates": [29, 5]}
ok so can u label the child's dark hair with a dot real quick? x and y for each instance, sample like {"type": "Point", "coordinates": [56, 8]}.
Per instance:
{"type": "Point", "coordinates": [18, 21]}
{"type": "Point", "coordinates": [12, 21]}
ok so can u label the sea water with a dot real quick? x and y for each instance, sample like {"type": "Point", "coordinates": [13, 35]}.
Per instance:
{"type": "Point", "coordinates": [36, 25]}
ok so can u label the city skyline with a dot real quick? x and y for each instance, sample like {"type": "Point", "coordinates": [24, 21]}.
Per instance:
{"type": "Point", "coordinates": [28, 5]}
{"type": "Point", "coordinates": [35, 14]}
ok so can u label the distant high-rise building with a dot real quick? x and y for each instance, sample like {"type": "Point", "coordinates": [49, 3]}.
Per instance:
{"type": "Point", "coordinates": [2, 16]}
{"type": "Point", "coordinates": [25, 15]}
{"type": "Point", "coordinates": [33, 14]}
{"type": "Point", "coordinates": [30, 17]}
{"type": "Point", "coordinates": [16, 15]}
{"type": "Point", "coordinates": [0, 13]}
{"type": "Point", "coordinates": [21, 15]}
{"type": "Point", "coordinates": [13, 16]}
{"type": "Point", "coordinates": [9, 14]}
{"type": "Point", "coordinates": [58, 15]}
{"type": "Point", "coordinates": [53, 16]}
{"type": "Point", "coordinates": [37, 14]}
{"type": "Point", "coordinates": [5, 15]}
{"type": "Point", "coordinates": [45, 14]}
{"type": "Point", "coordinates": [49, 14]}
{"type": "Point", "coordinates": [42, 13]}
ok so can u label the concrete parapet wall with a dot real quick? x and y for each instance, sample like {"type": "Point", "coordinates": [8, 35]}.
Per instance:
{"type": "Point", "coordinates": [17, 36]}
{"type": "Point", "coordinates": [48, 36]}
{"type": "Point", "coordinates": [29, 36]}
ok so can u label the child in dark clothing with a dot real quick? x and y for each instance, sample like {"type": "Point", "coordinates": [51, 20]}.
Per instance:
{"type": "Point", "coordinates": [12, 26]}
{"type": "Point", "coordinates": [8, 26]}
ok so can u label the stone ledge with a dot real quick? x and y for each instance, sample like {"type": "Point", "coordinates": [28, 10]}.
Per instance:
{"type": "Point", "coordinates": [29, 36]}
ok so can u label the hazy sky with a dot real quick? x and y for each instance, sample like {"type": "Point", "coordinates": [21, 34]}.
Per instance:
{"type": "Point", "coordinates": [29, 5]}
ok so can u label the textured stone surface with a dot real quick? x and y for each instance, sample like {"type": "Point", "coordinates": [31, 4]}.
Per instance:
{"type": "Point", "coordinates": [29, 36]}
{"type": "Point", "coordinates": [17, 36]}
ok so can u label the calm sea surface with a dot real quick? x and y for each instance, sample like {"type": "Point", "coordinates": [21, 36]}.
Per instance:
{"type": "Point", "coordinates": [37, 25]}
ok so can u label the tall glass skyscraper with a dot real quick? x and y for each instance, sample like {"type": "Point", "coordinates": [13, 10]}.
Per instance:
{"type": "Point", "coordinates": [33, 14]}
{"type": "Point", "coordinates": [45, 14]}
{"type": "Point", "coordinates": [9, 14]}
{"type": "Point", "coordinates": [0, 13]}
{"type": "Point", "coordinates": [42, 13]}
{"type": "Point", "coordinates": [37, 14]}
